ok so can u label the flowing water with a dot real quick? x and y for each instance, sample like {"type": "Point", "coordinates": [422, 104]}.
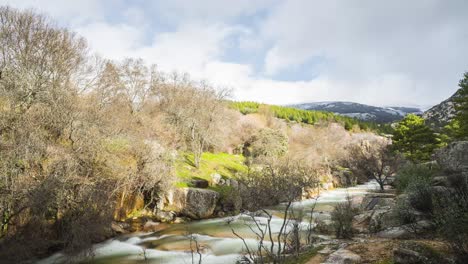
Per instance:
{"type": "Point", "coordinates": [219, 245]}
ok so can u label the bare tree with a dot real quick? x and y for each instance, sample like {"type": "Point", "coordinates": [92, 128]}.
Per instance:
{"type": "Point", "coordinates": [62, 163]}
{"type": "Point", "coordinates": [138, 81]}
{"type": "Point", "coordinates": [195, 110]}
{"type": "Point", "coordinates": [376, 161]}
{"type": "Point", "coordinates": [276, 181]}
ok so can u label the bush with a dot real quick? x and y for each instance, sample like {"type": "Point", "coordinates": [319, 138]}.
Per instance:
{"type": "Point", "coordinates": [230, 198]}
{"type": "Point", "coordinates": [420, 195]}
{"type": "Point", "coordinates": [451, 217]}
{"type": "Point", "coordinates": [342, 218]}
{"type": "Point", "coordinates": [410, 173]}
{"type": "Point", "coordinates": [267, 143]}
{"type": "Point", "coordinates": [404, 212]}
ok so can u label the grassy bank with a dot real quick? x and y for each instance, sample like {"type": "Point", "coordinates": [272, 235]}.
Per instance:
{"type": "Point", "coordinates": [224, 164]}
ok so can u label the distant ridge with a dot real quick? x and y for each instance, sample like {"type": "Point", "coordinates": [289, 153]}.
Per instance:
{"type": "Point", "coordinates": [362, 111]}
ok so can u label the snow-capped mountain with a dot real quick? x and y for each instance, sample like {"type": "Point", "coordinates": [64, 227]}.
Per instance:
{"type": "Point", "coordinates": [362, 111]}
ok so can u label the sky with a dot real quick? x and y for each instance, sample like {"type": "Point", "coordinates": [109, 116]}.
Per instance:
{"type": "Point", "coordinates": [399, 52]}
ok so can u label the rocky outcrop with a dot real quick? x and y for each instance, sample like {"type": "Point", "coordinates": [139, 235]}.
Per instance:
{"type": "Point", "coordinates": [343, 256]}
{"type": "Point", "coordinates": [380, 217]}
{"type": "Point", "coordinates": [194, 203]}
{"type": "Point", "coordinates": [378, 200]}
{"type": "Point", "coordinates": [454, 157]}
{"type": "Point", "coordinates": [440, 115]}
{"type": "Point", "coordinates": [377, 213]}
{"type": "Point", "coordinates": [127, 204]}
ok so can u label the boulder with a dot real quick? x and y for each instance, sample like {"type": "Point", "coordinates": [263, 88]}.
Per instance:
{"type": "Point", "coordinates": [164, 216]}
{"type": "Point", "coordinates": [180, 220]}
{"type": "Point", "coordinates": [343, 256]}
{"type": "Point", "coordinates": [150, 226]}
{"type": "Point", "coordinates": [382, 219]}
{"type": "Point", "coordinates": [412, 252]}
{"type": "Point", "coordinates": [217, 179]}
{"type": "Point", "coordinates": [454, 157]}
{"type": "Point", "coordinates": [232, 203]}
{"type": "Point", "coordinates": [440, 181]}
{"type": "Point", "coordinates": [194, 203]}
{"type": "Point", "coordinates": [372, 200]}
{"type": "Point", "coordinates": [119, 227]}
{"type": "Point", "coordinates": [398, 232]}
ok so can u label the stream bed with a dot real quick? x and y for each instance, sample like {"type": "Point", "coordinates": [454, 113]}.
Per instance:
{"type": "Point", "coordinates": [218, 244]}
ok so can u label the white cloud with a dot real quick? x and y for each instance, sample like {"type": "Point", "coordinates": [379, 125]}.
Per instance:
{"type": "Point", "coordinates": [384, 52]}
{"type": "Point", "coordinates": [112, 41]}
{"type": "Point", "coordinates": [70, 12]}
{"type": "Point", "coordinates": [391, 52]}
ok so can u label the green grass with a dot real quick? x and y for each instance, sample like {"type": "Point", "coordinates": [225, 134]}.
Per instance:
{"type": "Point", "coordinates": [224, 164]}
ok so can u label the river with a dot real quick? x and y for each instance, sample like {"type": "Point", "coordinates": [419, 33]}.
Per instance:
{"type": "Point", "coordinates": [171, 244]}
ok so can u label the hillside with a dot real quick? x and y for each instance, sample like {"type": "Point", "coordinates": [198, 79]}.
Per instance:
{"type": "Point", "coordinates": [311, 117]}
{"type": "Point", "coordinates": [441, 114]}
{"type": "Point", "coordinates": [361, 111]}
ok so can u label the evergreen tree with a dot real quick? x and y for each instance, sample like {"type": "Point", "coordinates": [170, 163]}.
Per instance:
{"type": "Point", "coordinates": [413, 138]}
{"type": "Point", "coordinates": [461, 107]}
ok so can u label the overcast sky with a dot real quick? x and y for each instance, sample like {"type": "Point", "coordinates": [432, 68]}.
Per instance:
{"type": "Point", "coordinates": [395, 52]}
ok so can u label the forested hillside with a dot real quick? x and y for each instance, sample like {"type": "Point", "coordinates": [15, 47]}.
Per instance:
{"type": "Point", "coordinates": [309, 116]}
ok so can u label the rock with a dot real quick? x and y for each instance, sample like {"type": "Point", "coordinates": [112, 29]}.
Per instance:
{"type": "Point", "coordinates": [199, 183]}
{"type": "Point", "coordinates": [326, 251]}
{"type": "Point", "coordinates": [440, 181]}
{"type": "Point", "coordinates": [234, 184]}
{"type": "Point", "coordinates": [221, 214]}
{"type": "Point", "coordinates": [382, 219]}
{"type": "Point", "coordinates": [131, 203]}
{"type": "Point", "coordinates": [165, 217]}
{"type": "Point", "coordinates": [398, 232]}
{"type": "Point", "coordinates": [216, 179]}
{"type": "Point", "coordinates": [343, 256]}
{"type": "Point", "coordinates": [424, 225]}
{"type": "Point", "coordinates": [119, 227]}
{"type": "Point", "coordinates": [454, 157]}
{"type": "Point", "coordinates": [231, 201]}
{"type": "Point", "coordinates": [412, 252]}
{"type": "Point", "coordinates": [150, 226]}
{"type": "Point", "coordinates": [180, 220]}
{"type": "Point", "coordinates": [406, 256]}
{"type": "Point", "coordinates": [372, 200]}
{"type": "Point", "coordinates": [194, 203]}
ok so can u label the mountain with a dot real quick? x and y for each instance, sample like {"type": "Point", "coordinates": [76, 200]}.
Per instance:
{"type": "Point", "coordinates": [361, 111]}
{"type": "Point", "coordinates": [441, 114]}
